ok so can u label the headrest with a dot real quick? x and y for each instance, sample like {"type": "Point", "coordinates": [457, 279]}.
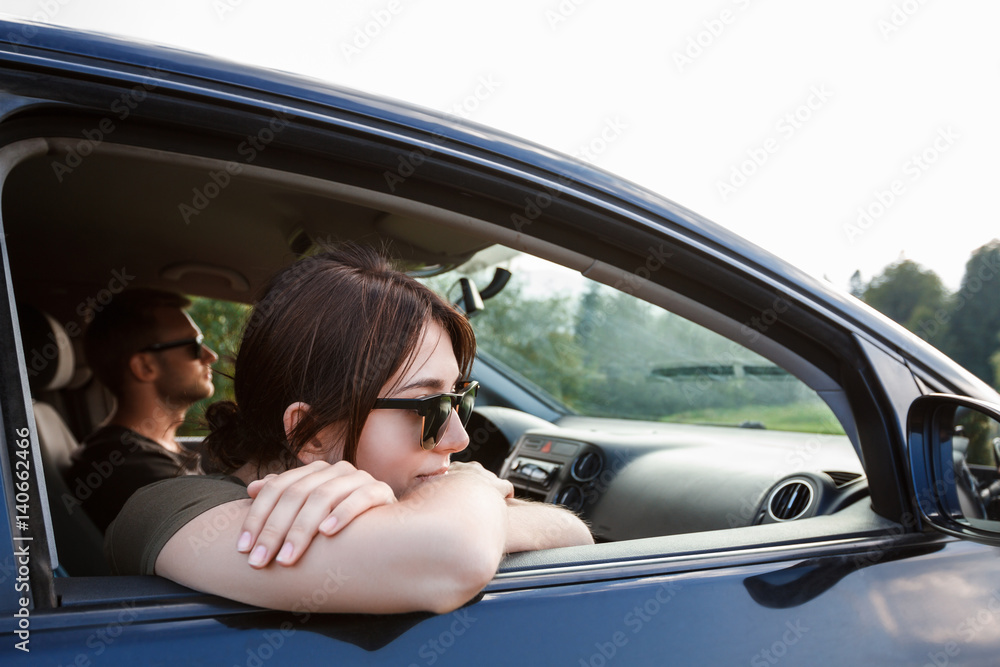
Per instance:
{"type": "Point", "coordinates": [48, 351]}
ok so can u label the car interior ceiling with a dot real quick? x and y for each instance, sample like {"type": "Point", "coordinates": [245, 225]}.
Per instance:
{"type": "Point", "coordinates": [119, 211]}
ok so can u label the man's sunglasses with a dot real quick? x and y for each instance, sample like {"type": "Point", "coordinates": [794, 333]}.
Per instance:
{"type": "Point", "coordinates": [435, 411]}
{"type": "Point", "coordinates": [196, 344]}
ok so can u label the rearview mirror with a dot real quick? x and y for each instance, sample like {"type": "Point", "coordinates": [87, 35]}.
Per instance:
{"type": "Point", "coordinates": [470, 302]}
{"type": "Point", "coordinates": [954, 447]}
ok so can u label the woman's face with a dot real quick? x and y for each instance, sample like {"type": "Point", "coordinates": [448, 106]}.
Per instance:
{"type": "Point", "coordinates": [389, 448]}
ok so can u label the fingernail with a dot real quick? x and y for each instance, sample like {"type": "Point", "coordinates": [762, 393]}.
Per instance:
{"type": "Point", "coordinates": [243, 545]}
{"type": "Point", "coordinates": [328, 524]}
{"type": "Point", "coordinates": [258, 555]}
{"type": "Point", "coordinates": [285, 555]}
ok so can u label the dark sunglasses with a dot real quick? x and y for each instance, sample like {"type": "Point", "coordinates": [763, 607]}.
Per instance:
{"type": "Point", "coordinates": [197, 344]}
{"type": "Point", "coordinates": [436, 410]}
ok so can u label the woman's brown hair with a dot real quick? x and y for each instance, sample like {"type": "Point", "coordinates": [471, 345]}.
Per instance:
{"type": "Point", "coordinates": [330, 330]}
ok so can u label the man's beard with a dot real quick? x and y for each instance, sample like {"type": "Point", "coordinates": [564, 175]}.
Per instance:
{"type": "Point", "coordinates": [186, 397]}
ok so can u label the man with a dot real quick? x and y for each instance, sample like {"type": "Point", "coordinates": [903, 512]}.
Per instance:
{"type": "Point", "coordinates": [149, 353]}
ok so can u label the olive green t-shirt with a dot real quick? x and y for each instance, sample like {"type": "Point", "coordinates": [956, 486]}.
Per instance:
{"type": "Point", "coordinates": [155, 512]}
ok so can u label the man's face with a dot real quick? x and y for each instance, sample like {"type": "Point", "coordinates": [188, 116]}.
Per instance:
{"type": "Point", "coordinates": [183, 378]}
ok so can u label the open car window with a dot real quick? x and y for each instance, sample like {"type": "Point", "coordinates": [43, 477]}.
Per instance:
{"type": "Point", "coordinates": [594, 354]}
{"type": "Point", "coordinates": [602, 352]}
{"type": "Point", "coordinates": [649, 402]}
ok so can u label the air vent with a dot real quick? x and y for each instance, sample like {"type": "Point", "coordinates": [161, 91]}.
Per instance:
{"type": "Point", "coordinates": [570, 497]}
{"type": "Point", "coordinates": [586, 467]}
{"type": "Point", "coordinates": [790, 500]}
{"type": "Point", "coordinates": [841, 478]}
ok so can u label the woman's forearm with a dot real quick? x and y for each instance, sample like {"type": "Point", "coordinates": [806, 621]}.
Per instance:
{"type": "Point", "coordinates": [532, 526]}
{"type": "Point", "coordinates": [433, 550]}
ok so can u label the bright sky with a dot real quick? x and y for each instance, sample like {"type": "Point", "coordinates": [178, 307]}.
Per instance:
{"type": "Point", "coordinates": [778, 119]}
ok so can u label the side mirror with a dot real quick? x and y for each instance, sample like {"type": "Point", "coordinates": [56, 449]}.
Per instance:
{"type": "Point", "coordinates": [954, 445]}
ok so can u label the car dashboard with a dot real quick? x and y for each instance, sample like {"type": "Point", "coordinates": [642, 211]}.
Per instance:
{"type": "Point", "coordinates": [634, 479]}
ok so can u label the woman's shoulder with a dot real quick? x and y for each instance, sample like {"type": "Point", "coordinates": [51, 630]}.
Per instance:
{"type": "Point", "coordinates": [180, 494]}
{"type": "Point", "coordinates": [155, 512]}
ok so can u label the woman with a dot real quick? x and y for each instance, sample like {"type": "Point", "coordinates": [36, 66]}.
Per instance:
{"type": "Point", "coordinates": [351, 398]}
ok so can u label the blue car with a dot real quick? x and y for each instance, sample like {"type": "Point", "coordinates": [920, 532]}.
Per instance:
{"type": "Point", "coordinates": [773, 473]}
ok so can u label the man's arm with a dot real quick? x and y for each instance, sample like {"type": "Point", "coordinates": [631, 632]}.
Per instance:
{"type": "Point", "coordinates": [532, 526]}
{"type": "Point", "coordinates": [433, 550]}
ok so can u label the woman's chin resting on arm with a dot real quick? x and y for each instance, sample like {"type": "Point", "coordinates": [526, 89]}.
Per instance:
{"type": "Point", "coordinates": [351, 394]}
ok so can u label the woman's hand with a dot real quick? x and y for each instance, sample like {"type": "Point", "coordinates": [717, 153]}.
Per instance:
{"type": "Point", "coordinates": [475, 469]}
{"type": "Point", "coordinates": [290, 508]}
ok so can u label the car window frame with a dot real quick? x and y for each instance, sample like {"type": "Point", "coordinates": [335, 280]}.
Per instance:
{"type": "Point", "coordinates": [551, 250]}
{"type": "Point", "coordinates": [17, 422]}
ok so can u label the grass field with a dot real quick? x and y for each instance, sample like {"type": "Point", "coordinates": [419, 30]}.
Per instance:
{"type": "Point", "coordinates": [810, 417]}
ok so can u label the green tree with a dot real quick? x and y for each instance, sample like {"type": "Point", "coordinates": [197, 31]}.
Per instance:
{"type": "Point", "coordinates": [972, 336]}
{"type": "Point", "coordinates": [222, 324]}
{"type": "Point", "coordinates": [606, 353]}
{"type": "Point", "coordinates": [535, 336]}
{"type": "Point", "coordinates": [857, 285]}
{"type": "Point", "coordinates": [912, 296]}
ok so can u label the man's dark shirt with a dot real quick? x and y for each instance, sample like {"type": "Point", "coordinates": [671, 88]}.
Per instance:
{"type": "Point", "coordinates": [115, 462]}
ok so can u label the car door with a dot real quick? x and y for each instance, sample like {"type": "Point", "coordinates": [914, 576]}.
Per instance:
{"type": "Point", "coordinates": [866, 585]}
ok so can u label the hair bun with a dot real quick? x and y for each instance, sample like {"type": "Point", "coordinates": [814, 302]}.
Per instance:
{"type": "Point", "coordinates": [221, 449]}
{"type": "Point", "coordinates": [222, 416]}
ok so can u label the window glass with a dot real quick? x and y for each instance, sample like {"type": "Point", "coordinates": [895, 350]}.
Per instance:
{"type": "Point", "coordinates": [605, 353]}
{"type": "Point", "coordinates": [222, 324]}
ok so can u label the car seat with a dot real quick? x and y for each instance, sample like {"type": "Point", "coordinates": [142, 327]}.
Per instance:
{"type": "Point", "coordinates": [51, 367]}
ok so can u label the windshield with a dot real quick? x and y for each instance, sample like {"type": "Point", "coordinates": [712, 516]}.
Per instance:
{"type": "Point", "coordinates": [606, 353]}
